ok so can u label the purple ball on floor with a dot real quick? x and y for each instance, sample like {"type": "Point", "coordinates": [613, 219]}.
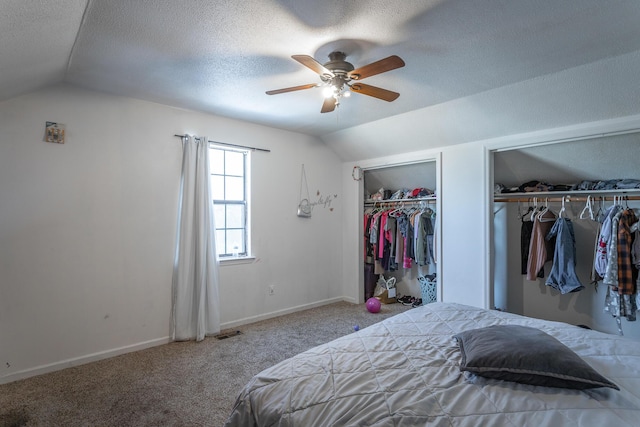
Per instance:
{"type": "Point", "coordinates": [356, 328]}
{"type": "Point", "coordinates": [373, 305]}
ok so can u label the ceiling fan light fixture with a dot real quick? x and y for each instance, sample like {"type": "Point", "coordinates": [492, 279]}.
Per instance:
{"type": "Point", "coordinates": [329, 91]}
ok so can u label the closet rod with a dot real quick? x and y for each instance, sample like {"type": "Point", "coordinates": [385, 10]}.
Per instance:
{"type": "Point", "coordinates": [568, 198]}
{"type": "Point", "coordinates": [230, 145]}
{"type": "Point", "coordinates": [572, 194]}
{"type": "Point", "coordinates": [388, 202]}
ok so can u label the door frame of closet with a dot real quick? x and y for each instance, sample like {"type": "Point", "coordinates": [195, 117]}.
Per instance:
{"type": "Point", "coordinates": [582, 132]}
{"type": "Point", "coordinates": [356, 293]}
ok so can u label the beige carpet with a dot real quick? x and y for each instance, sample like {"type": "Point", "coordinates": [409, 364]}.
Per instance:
{"type": "Point", "coordinates": [178, 384]}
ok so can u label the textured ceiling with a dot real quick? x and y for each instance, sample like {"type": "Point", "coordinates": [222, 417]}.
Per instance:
{"type": "Point", "coordinates": [221, 56]}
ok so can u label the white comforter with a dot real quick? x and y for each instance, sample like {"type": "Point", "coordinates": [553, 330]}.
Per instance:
{"type": "Point", "coordinates": [404, 371]}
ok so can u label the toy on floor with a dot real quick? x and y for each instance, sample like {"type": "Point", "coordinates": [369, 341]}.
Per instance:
{"type": "Point", "coordinates": [373, 305]}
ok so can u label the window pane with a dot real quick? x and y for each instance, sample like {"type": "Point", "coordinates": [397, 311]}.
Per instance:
{"type": "Point", "coordinates": [235, 216]}
{"type": "Point", "coordinates": [216, 161]}
{"type": "Point", "coordinates": [235, 241]}
{"type": "Point", "coordinates": [220, 241]}
{"type": "Point", "coordinates": [218, 216]}
{"type": "Point", "coordinates": [235, 188]}
{"type": "Point", "coordinates": [217, 187]}
{"type": "Point", "coordinates": [235, 163]}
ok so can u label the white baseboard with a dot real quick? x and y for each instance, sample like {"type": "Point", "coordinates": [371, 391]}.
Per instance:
{"type": "Point", "coordinates": [265, 316]}
{"type": "Point", "coordinates": [76, 361]}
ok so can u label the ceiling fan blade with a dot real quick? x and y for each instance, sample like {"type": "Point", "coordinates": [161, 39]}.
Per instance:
{"type": "Point", "coordinates": [376, 92]}
{"type": "Point", "coordinates": [291, 89]}
{"type": "Point", "coordinates": [387, 64]}
{"type": "Point", "coordinates": [312, 64]}
{"type": "Point", "coordinates": [329, 105]}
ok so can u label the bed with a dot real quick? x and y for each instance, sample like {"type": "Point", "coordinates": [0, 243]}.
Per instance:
{"type": "Point", "coordinates": [405, 371]}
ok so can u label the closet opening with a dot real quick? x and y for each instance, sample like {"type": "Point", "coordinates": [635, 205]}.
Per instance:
{"type": "Point", "coordinates": [401, 228]}
{"type": "Point", "coordinates": [576, 182]}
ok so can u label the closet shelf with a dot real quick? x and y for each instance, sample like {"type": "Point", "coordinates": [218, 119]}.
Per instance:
{"type": "Point", "coordinates": [631, 194]}
{"type": "Point", "coordinates": [371, 202]}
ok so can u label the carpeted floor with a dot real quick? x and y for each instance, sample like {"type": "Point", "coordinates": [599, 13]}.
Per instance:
{"type": "Point", "coordinates": [178, 384]}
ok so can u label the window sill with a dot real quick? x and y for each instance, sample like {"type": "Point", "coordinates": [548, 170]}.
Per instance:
{"type": "Point", "coordinates": [235, 261]}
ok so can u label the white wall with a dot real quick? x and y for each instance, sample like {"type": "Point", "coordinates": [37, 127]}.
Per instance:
{"type": "Point", "coordinates": [464, 231]}
{"type": "Point", "coordinates": [87, 227]}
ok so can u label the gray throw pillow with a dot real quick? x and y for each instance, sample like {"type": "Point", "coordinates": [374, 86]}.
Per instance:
{"type": "Point", "coordinates": [525, 355]}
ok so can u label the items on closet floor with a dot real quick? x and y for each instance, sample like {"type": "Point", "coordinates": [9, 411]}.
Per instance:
{"type": "Point", "coordinates": [385, 290]}
{"type": "Point", "coordinates": [428, 288]}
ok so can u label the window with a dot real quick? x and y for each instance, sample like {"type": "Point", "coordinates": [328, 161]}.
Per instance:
{"type": "Point", "coordinates": [229, 189]}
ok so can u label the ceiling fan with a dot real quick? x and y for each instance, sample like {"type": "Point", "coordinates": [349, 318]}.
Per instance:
{"type": "Point", "coordinates": [339, 77]}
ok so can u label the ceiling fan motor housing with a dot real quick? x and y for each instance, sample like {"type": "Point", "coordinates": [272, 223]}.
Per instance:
{"type": "Point", "coordinates": [337, 63]}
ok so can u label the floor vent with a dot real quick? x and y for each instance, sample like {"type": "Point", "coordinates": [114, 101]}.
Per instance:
{"type": "Point", "coordinates": [226, 335]}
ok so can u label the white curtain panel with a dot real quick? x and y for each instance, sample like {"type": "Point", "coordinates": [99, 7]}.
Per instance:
{"type": "Point", "coordinates": [196, 302]}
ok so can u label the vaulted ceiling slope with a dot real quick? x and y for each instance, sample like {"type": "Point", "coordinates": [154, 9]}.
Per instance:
{"type": "Point", "coordinates": [462, 58]}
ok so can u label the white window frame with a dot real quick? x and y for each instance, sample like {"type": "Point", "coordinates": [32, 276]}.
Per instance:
{"type": "Point", "coordinates": [223, 255]}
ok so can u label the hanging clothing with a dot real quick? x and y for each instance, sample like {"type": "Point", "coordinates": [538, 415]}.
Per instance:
{"type": "Point", "coordinates": [540, 250]}
{"type": "Point", "coordinates": [399, 257]}
{"type": "Point", "coordinates": [619, 275]}
{"type": "Point", "coordinates": [595, 276]}
{"type": "Point", "coordinates": [424, 233]}
{"type": "Point", "coordinates": [390, 236]}
{"type": "Point", "coordinates": [408, 245]}
{"type": "Point", "coordinates": [398, 238]}
{"type": "Point", "coordinates": [418, 239]}
{"type": "Point", "coordinates": [383, 246]}
{"type": "Point", "coordinates": [626, 271]}
{"type": "Point", "coordinates": [563, 275]}
{"type": "Point", "coordinates": [610, 277]}
{"type": "Point", "coordinates": [602, 255]}
{"type": "Point", "coordinates": [526, 230]}
{"type": "Point", "coordinates": [368, 248]}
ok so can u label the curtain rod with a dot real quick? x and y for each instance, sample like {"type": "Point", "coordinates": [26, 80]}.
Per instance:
{"type": "Point", "coordinates": [231, 145]}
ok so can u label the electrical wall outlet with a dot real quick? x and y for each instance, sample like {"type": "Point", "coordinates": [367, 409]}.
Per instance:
{"type": "Point", "coordinates": [272, 289]}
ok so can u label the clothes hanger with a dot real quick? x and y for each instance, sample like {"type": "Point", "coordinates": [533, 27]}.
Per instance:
{"type": "Point", "coordinates": [522, 215]}
{"type": "Point", "coordinates": [398, 210]}
{"type": "Point", "coordinates": [543, 208]}
{"type": "Point", "coordinates": [562, 210]}
{"type": "Point", "coordinates": [541, 217]}
{"type": "Point", "coordinates": [600, 211]}
{"type": "Point", "coordinates": [535, 209]}
{"type": "Point", "coordinates": [519, 211]}
{"type": "Point", "coordinates": [376, 208]}
{"type": "Point", "coordinates": [587, 209]}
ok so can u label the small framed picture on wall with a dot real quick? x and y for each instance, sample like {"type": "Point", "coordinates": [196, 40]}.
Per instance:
{"type": "Point", "coordinates": [54, 132]}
